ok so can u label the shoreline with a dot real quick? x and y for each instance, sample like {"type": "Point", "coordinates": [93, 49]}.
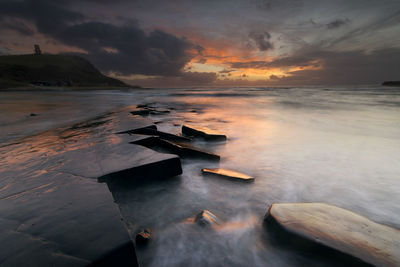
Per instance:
{"type": "Point", "coordinates": [68, 88]}
{"type": "Point", "coordinates": [82, 148]}
{"type": "Point", "coordinates": [100, 220]}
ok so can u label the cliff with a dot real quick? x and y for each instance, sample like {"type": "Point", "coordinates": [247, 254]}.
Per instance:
{"type": "Point", "coordinates": [52, 70]}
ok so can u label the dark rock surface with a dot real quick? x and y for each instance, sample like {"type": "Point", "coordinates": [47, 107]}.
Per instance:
{"type": "Point", "coordinates": [53, 211]}
{"type": "Point", "coordinates": [206, 218]}
{"type": "Point", "coordinates": [197, 131]}
{"type": "Point", "coordinates": [145, 111]}
{"type": "Point", "coordinates": [154, 132]}
{"type": "Point", "coordinates": [338, 229]}
{"type": "Point", "coordinates": [53, 218]}
{"type": "Point", "coordinates": [228, 174]}
{"type": "Point", "coordinates": [143, 237]}
{"type": "Point", "coordinates": [181, 149]}
{"type": "Point", "coordinates": [122, 160]}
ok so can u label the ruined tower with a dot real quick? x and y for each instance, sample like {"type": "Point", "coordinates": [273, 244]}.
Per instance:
{"type": "Point", "coordinates": [37, 50]}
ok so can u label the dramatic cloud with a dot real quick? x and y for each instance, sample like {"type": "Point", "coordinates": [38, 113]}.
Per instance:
{"type": "Point", "coordinates": [120, 49]}
{"type": "Point", "coordinates": [345, 67]}
{"type": "Point", "coordinates": [133, 50]}
{"type": "Point", "coordinates": [48, 16]}
{"type": "Point", "coordinates": [199, 77]}
{"type": "Point", "coordinates": [173, 43]}
{"type": "Point", "coordinates": [337, 23]}
{"type": "Point", "coordinates": [262, 40]}
{"type": "Point", "coordinates": [285, 62]}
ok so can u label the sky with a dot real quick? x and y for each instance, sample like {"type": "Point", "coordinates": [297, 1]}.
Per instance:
{"type": "Point", "coordinates": [174, 43]}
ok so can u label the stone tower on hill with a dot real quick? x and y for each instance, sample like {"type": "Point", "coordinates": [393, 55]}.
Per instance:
{"type": "Point", "coordinates": [38, 52]}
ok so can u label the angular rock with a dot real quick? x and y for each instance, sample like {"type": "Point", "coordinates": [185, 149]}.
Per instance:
{"type": "Point", "coordinates": [143, 237]}
{"type": "Point", "coordinates": [164, 135]}
{"type": "Point", "coordinates": [202, 132]}
{"type": "Point", "coordinates": [181, 149]}
{"type": "Point", "coordinates": [339, 229]}
{"type": "Point", "coordinates": [141, 112]}
{"type": "Point", "coordinates": [228, 174]}
{"type": "Point", "coordinates": [206, 218]}
{"type": "Point", "coordinates": [104, 161]}
{"type": "Point", "coordinates": [150, 111]}
{"type": "Point", "coordinates": [56, 219]}
{"type": "Point", "coordinates": [52, 213]}
{"type": "Point", "coordinates": [148, 105]}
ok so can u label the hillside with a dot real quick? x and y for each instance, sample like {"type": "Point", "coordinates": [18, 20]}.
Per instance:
{"type": "Point", "coordinates": [51, 70]}
{"type": "Point", "coordinates": [391, 83]}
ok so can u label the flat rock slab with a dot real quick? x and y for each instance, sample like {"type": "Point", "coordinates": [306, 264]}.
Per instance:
{"type": "Point", "coordinates": [154, 132]}
{"type": "Point", "coordinates": [203, 132]}
{"type": "Point", "coordinates": [123, 159]}
{"type": "Point", "coordinates": [52, 213]}
{"type": "Point", "coordinates": [61, 220]}
{"type": "Point", "coordinates": [341, 230]}
{"type": "Point", "coordinates": [228, 174]}
{"type": "Point", "coordinates": [181, 149]}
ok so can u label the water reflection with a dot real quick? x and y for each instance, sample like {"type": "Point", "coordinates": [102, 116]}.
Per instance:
{"type": "Point", "coordinates": [302, 145]}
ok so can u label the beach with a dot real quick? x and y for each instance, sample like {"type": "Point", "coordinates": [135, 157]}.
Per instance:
{"type": "Point", "coordinates": [335, 145]}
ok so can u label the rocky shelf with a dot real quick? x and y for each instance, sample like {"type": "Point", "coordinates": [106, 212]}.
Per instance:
{"type": "Point", "coordinates": [54, 212]}
{"type": "Point", "coordinates": [202, 132]}
{"type": "Point", "coordinates": [338, 229]}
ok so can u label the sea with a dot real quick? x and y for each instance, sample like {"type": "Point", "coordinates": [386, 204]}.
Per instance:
{"type": "Point", "coordinates": [336, 145]}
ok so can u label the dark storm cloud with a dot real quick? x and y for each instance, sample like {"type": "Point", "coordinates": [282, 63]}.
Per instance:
{"type": "Point", "coordinates": [332, 67]}
{"type": "Point", "coordinates": [337, 23]}
{"type": "Point", "coordinates": [262, 40]}
{"type": "Point", "coordinates": [199, 77]}
{"type": "Point", "coordinates": [122, 49]}
{"type": "Point", "coordinates": [272, 5]}
{"type": "Point", "coordinates": [348, 67]}
{"type": "Point", "coordinates": [48, 16]}
{"type": "Point", "coordinates": [224, 71]}
{"type": "Point", "coordinates": [379, 23]}
{"type": "Point", "coordinates": [273, 77]}
{"type": "Point", "coordinates": [292, 61]}
{"type": "Point", "coordinates": [155, 53]}
{"type": "Point", "coordinates": [16, 25]}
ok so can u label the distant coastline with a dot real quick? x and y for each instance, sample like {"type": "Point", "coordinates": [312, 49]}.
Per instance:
{"type": "Point", "coordinates": [391, 83]}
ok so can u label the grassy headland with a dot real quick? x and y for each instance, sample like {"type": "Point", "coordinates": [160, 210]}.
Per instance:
{"type": "Point", "coordinates": [49, 71]}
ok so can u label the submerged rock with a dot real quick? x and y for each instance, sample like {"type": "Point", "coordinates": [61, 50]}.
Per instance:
{"type": "Point", "coordinates": [147, 105]}
{"type": "Point", "coordinates": [143, 237]}
{"type": "Point", "coordinates": [150, 111]}
{"type": "Point", "coordinates": [206, 218]}
{"type": "Point", "coordinates": [228, 174]}
{"type": "Point", "coordinates": [181, 149]}
{"type": "Point", "coordinates": [202, 132]}
{"type": "Point", "coordinates": [339, 229]}
{"type": "Point", "coordinates": [154, 132]}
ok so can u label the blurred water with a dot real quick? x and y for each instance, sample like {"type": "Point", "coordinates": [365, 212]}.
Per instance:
{"type": "Point", "coordinates": [334, 145]}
